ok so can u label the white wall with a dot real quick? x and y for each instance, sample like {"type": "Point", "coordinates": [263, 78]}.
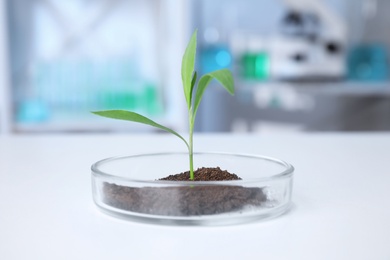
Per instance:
{"type": "Point", "coordinates": [4, 76]}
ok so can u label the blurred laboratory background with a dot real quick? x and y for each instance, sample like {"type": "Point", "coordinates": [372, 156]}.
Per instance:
{"type": "Point", "coordinates": [299, 65]}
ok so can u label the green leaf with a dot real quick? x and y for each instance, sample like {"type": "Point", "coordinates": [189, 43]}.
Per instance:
{"type": "Point", "coordinates": [194, 77]}
{"type": "Point", "coordinates": [187, 67]}
{"type": "Point", "coordinates": [224, 76]}
{"type": "Point", "coordinates": [134, 117]}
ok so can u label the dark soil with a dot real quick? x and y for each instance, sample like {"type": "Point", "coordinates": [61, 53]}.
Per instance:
{"type": "Point", "coordinates": [186, 200]}
{"type": "Point", "coordinates": [204, 174]}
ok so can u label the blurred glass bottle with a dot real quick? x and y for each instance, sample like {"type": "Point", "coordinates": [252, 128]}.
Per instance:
{"type": "Point", "coordinates": [255, 61]}
{"type": "Point", "coordinates": [214, 51]}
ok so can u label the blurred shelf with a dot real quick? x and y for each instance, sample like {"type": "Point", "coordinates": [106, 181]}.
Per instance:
{"type": "Point", "coordinates": [347, 88]}
{"type": "Point", "coordinates": [70, 127]}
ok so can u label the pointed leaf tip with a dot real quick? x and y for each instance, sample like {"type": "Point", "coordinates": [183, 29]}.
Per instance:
{"type": "Point", "coordinates": [187, 67]}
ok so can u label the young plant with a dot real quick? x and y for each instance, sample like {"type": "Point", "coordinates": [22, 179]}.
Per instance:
{"type": "Point", "coordinates": [189, 79]}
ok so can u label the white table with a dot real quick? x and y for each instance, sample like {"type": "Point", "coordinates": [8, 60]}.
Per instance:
{"type": "Point", "coordinates": [341, 201]}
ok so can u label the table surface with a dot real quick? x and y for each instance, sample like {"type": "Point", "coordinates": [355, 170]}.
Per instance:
{"type": "Point", "coordinates": [341, 200]}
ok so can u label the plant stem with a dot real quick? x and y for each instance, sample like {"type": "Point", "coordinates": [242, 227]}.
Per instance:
{"type": "Point", "coordinates": [191, 146]}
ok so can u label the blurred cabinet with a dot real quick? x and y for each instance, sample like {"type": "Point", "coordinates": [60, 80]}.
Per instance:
{"type": "Point", "coordinates": [67, 58]}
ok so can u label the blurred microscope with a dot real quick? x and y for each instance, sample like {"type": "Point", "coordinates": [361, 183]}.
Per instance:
{"type": "Point", "coordinates": [311, 46]}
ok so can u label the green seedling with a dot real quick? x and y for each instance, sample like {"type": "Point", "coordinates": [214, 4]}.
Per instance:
{"type": "Point", "coordinates": [189, 78]}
